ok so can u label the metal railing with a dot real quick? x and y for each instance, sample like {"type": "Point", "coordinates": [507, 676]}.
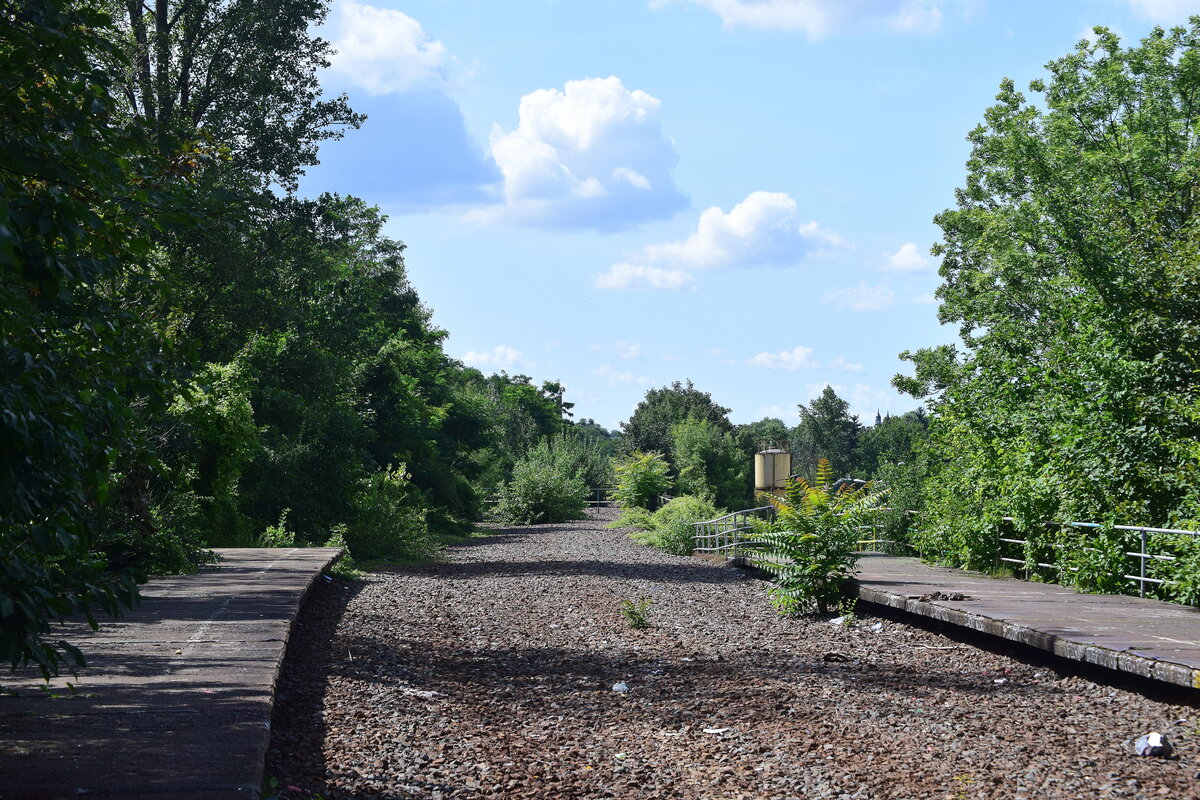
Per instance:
{"type": "Point", "coordinates": [1150, 546]}
{"type": "Point", "coordinates": [724, 534]}
{"type": "Point", "coordinates": [600, 497]}
{"type": "Point", "coordinates": [869, 535]}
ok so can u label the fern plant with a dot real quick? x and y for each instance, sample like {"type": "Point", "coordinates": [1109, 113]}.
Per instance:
{"type": "Point", "coordinates": [810, 547]}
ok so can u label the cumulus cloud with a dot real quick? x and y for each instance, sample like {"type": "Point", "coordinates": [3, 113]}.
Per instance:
{"type": "Point", "coordinates": [860, 298]}
{"type": "Point", "coordinates": [382, 50]}
{"type": "Point", "coordinates": [634, 276]}
{"type": "Point", "coordinates": [617, 378]}
{"type": "Point", "coordinates": [818, 18]}
{"type": "Point", "coordinates": [621, 348]}
{"type": "Point", "coordinates": [501, 357]}
{"type": "Point", "coordinates": [1172, 12]}
{"type": "Point", "coordinates": [908, 258]}
{"type": "Point", "coordinates": [796, 358]}
{"type": "Point", "coordinates": [841, 363]}
{"type": "Point", "coordinates": [764, 229]}
{"type": "Point", "coordinates": [590, 156]}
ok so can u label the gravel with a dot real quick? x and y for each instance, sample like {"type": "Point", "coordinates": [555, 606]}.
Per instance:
{"type": "Point", "coordinates": [492, 674]}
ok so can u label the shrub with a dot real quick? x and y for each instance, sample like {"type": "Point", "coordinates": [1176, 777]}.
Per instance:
{"type": "Point", "coordinates": [641, 478]}
{"type": "Point", "coordinates": [673, 523]}
{"type": "Point", "coordinates": [669, 528]}
{"type": "Point", "coordinates": [278, 535]}
{"type": "Point", "coordinates": [388, 520]}
{"type": "Point", "coordinates": [545, 487]}
{"type": "Point", "coordinates": [810, 548]}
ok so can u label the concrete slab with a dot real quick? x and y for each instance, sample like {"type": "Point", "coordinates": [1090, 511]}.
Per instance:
{"type": "Point", "coordinates": [176, 699]}
{"type": "Point", "coordinates": [1130, 634]}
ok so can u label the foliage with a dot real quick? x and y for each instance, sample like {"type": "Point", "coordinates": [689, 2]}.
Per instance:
{"type": "Point", "coordinates": [828, 430]}
{"type": "Point", "coordinates": [672, 526]}
{"type": "Point", "coordinates": [641, 479]}
{"type": "Point", "coordinates": [634, 517]}
{"type": "Point", "coordinates": [1070, 266]}
{"type": "Point", "coordinates": [767, 433]}
{"type": "Point", "coordinates": [710, 463]}
{"type": "Point", "coordinates": [648, 429]}
{"type": "Point", "coordinates": [81, 201]}
{"type": "Point", "coordinates": [637, 612]}
{"type": "Point", "coordinates": [546, 485]}
{"type": "Point", "coordinates": [345, 568]}
{"type": "Point", "coordinates": [810, 548]}
{"type": "Point", "coordinates": [1183, 573]}
{"type": "Point", "coordinates": [388, 520]}
{"type": "Point", "coordinates": [278, 535]}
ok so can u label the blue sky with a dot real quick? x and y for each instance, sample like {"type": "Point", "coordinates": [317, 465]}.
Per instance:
{"type": "Point", "coordinates": [623, 194]}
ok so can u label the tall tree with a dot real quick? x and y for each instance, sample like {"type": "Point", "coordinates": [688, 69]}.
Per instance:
{"type": "Point", "coordinates": [80, 202]}
{"type": "Point", "coordinates": [649, 427]}
{"type": "Point", "coordinates": [1070, 265]}
{"type": "Point", "coordinates": [827, 430]}
{"type": "Point", "coordinates": [240, 74]}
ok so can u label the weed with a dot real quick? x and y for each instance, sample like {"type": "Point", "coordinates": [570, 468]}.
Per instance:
{"type": "Point", "coordinates": [637, 612]}
{"type": "Point", "coordinates": [847, 609]}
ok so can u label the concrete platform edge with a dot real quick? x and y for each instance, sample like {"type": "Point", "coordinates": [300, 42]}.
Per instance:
{"type": "Point", "coordinates": [1178, 674]}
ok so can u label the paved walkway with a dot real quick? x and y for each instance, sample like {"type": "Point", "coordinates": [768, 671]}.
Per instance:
{"type": "Point", "coordinates": [176, 699]}
{"type": "Point", "coordinates": [1146, 637]}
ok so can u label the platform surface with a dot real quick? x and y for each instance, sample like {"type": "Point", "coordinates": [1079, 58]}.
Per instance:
{"type": "Point", "coordinates": [175, 701]}
{"type": "Point", "coordinates": [1150, 638]}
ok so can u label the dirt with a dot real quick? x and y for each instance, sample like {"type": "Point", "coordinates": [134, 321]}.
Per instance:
{"type": "Point", "coordinates": [492, 675]}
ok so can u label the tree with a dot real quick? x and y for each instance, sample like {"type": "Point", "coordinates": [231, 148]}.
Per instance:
{"type": "Point", "coordinates": [710, 464]}
{"type": "Point", "coordinates": [81, 200]}
{"type": "Point", "coordinates": [240, 73]}
{"type": "Point", "coordinates": [1070, 265]}
{"type": "Point", "coordinates": [766, 433]}
{"type": "Point", "coordinates": [649, 427]}
{"type": "Point", "coordinates": [827, 430]}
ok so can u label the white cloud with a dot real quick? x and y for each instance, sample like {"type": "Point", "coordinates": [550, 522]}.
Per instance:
{"type": "Point", "coordinates": [621, 348]}
{"type": "Point", "coordinates": [818, 18]}
{"type": "Point", "coordinates": [860, 298]}
{"type": "Point", "coordinates": [1174, 12]}
{"type": "Point", "coordinates": [764, 229]}
{"type": "Point", "coordinates": [632, 276]}
{"type": "Point", "coordinates": [925, 299]}
{"type": "Point", "coordinates": [908, 258]}
{"type": "Point", "coordinates": [841, 364]}
{"type": "Point", "coordinates": [593, 155]}
{"type": "Point", "coordinates": [862, 398]}
{"type": "Point", "coordinates": [785, 413]}
{"type": "Point", "coordinates": [796, 358]}
{"type": "Point", "coordinates": [501, 357]}
{"type": "Point", "coordinates": [384, 51]}
{"type": "Point", "coordinates": [618, 378]}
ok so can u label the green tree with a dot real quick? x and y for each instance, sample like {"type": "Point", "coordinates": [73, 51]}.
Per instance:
{"type": "Point", "coordinates": [81, 200]}
{"type": "Point", "coordinates": [649, 427]}
{"type": "Point", "coordinates": [641, 480]}
{"type": "Point", "coordinates": [710, 464]}
{"type": "Point", "coordinates": [827, 430]}
{"type": "Point", "coordinates": [1070, 267]}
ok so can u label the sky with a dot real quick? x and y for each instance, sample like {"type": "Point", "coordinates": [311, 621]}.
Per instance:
{"type": "Point", "coordinates": [618, 195]}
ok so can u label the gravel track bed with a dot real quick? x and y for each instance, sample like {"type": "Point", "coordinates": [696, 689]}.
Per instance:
{"type": "Point", "coordinates": [491, 675]}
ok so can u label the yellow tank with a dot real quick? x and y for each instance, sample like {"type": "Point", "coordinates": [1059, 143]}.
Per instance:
{"type": "Point", "coordinates": [772, 468]}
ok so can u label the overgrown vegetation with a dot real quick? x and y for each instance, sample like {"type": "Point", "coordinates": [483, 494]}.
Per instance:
{"type": "Point", "coordinates": [1070, 266]}
{"type": "Point", "coordinates": [670, 528]}
{"type": "Point", "coordinates": [809, 548]}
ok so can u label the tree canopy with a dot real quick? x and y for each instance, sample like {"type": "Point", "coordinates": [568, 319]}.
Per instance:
{"type": "Point", "coordinates": [1070, 266]}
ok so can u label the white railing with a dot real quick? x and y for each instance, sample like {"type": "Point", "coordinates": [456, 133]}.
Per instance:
{"type": "Point", "coordinates": [724, 534]}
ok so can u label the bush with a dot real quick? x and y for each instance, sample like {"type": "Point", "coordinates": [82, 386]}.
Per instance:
{"type": "Point", "coordinates": [673, 523]}
{"type": "Point", "coordinates": [669, 528]}
{"type": "Point", "coordinates": [545, 487]}
{"type": "Point", "coordinates": [388, 520]}
{"type": "Point", "coordinates": [641, 478]}
{"type": "Point", "coordinates": [810, 548]}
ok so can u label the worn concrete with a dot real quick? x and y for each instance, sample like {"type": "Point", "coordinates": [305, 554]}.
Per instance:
{"type": "Point", "coordinates": [175, 701]}
{"type": "Point", "coordinates": [1149, 638]}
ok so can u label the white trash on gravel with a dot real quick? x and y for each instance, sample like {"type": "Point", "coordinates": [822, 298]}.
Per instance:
{"type": "Point", "coordinates": [621, 686]}
{"type": "Point", "coordinates": [1153, 744]}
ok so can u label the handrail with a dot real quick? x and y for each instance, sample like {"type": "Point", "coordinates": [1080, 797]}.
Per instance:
{"type": "Point", "coordinates": [723, 534]}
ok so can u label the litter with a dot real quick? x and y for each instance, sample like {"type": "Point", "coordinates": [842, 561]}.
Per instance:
{"type": "Point", "coordinates": [1153, 744]}
{"type": "Point", "coordinates": [621, 686]}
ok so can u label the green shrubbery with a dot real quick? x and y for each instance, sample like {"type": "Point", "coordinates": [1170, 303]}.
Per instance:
{"type": "Point", "coordinates": [671, 527]}
{"type": "Point", "coordinates": [810, 547]}
{"type": "Point", "coordinates": [547, 484]}
{"type": "Point", "coordinates": [388, 520]}
{"type": "Point", "coordinates": [641, 479]}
